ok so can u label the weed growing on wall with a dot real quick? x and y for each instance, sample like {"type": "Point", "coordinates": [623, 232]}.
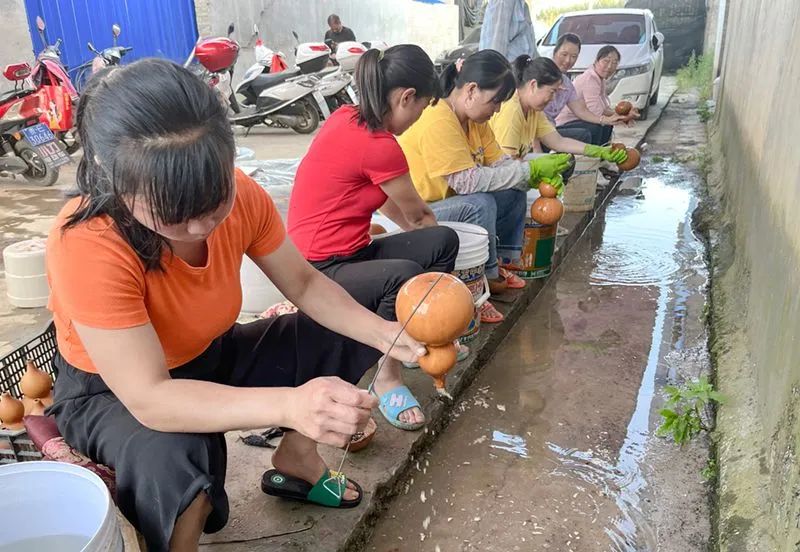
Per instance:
{"type": "Point", "coordinates": [697, 74]}
{"type": "Point", "coordinates": [687, 410]}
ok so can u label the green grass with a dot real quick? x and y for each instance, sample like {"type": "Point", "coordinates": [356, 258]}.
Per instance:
{"type": "Point", "coordinates": [549, 15]}
{"type": "Point", "coordinates": [697, 74]}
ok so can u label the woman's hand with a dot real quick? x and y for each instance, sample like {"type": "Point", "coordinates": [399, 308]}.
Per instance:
{"type": "Point", "coordinates": [406, 348]}
{"type": "Point", "coordinates": [329, 410]}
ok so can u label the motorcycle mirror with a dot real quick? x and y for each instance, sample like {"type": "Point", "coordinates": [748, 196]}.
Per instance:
{"type": "Point", "coordinates": [40, 23]}
{"type": "Point", "coordinates": [255, 29]}
{"type": "Point", "coordinates": [296, 37]}
{"type": "Point", "coordinates": [116, 30]}
{"type": "Point", "coordinates": [230, 29]}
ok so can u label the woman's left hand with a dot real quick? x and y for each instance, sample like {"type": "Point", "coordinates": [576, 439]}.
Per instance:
{"type": "Point", "coordinates": [406, 348]}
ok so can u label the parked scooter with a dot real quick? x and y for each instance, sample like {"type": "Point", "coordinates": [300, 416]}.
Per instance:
{"type": "Point", "coordinates": [104, 58]}
{"type": "Point", "coordinates": [216, 59]}
{"type": "Point", "coordinates": [20, 109]}
{"type": "Point", "coordinates": [286, 99]}
{"type": "Point", "coordinates": [51, 81]}
{"type": "Point", "coordinates": [335, 84]}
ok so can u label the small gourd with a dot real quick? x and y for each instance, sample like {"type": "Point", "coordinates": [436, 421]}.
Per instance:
{"type": "Point", "coordinates": [11, 411]}
{"type": "Point", "coordinates": [547, 208]}
{"type": "Point", "coordinates": [623, 108]}
{"type": "Point", "coordinates": [35, 383]}
{"type": "Point", "coordinates": [438, 362]}
{"type": "Point", "coordinates": [37, 409]}
{"type": "Point", "coordinates": [446, 308]}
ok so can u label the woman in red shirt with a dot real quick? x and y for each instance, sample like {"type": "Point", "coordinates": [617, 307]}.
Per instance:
{"type": "Point", "coordinates": [353, 168]}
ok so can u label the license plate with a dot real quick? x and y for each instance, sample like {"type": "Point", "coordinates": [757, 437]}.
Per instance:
{"type": "Point", "coordinates": [351, 93]}
{"type": "Point", "coordinates": [44, 142]}
{"type": "Point", "coordinates": [323, 105]}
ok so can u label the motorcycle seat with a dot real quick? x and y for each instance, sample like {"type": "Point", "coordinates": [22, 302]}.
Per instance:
{"type": "Point", "coordinates": [268, 80]}
{"type": "Point", "coordinates": [12, 94]}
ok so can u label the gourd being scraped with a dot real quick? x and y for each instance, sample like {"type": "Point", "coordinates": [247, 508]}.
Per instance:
{"type": "Point", "coordinates": [436, 308]}
{"type": "Point", "coordinates": [547, 208]}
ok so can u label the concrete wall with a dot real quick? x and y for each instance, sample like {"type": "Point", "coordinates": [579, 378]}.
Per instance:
{"type": "Point", "coordinates": [15, 45]}
{"type": "Point", "coordinates": [433, 27]}
{"type": "Point", "coordinates": [757, 303]}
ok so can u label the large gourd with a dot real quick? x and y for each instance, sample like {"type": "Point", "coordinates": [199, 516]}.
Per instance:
{"type": "Point", "coordinates": [547, 209]}
{"type": "Point", "coordinates": [436, 308]}
{"type": "Point", "coordinates": [445, 307]}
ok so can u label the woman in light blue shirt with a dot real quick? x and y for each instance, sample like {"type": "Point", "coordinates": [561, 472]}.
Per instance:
{"type": "Point", "coordinates": [508, 28]}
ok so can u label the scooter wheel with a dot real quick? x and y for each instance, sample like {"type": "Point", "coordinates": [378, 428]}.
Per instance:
{"type": "Point", "coordinates": [310, 119]}
{"type": "Point", "coordinates": [38, 172]}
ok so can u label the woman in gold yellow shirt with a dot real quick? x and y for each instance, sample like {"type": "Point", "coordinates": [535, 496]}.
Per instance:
{"type": "Point", "coordinates": [521, 120]}
{"type": "Point", "coordinates": [458, 167]}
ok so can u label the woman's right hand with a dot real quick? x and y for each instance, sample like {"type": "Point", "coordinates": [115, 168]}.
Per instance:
{"type": "Point", "coordinates": [547, 167]}
{"type": "Point", "coordinates": [329, 410]}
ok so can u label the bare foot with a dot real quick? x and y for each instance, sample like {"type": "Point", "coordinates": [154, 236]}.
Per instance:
{"type": "Point", "coordinates": [389, 378]}
{"type": "Point", "coordinates": [297, 456]}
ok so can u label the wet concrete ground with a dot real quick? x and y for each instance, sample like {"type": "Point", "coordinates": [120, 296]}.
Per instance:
{"type": "Point", "coordinates": [553, 447]}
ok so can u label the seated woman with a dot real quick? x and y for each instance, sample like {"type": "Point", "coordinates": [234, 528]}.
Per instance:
{"type": "Point", "coordinates": [458, 167]}
{"type": "Point", "coordinates": [588, 127]}
{"type": "Point", "coordinates": [152, 368]}
{"type": "Point", "coordinates": [591, 88]}
{"type": "Point", "coordinates": [521, 120]}
{"type": "Point", "coordinates": [336, 192]}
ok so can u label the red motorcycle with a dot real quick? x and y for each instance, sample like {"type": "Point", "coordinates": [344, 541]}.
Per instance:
{"type": "Point", "coordinates": [52, 82]}
{"type": "Point", "coordinates": [21, 110]}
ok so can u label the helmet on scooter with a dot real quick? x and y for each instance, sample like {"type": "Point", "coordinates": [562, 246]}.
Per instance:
{"type": "Point", "coordinates": [216, 54]}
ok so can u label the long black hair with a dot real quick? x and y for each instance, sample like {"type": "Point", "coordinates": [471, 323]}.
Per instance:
{"type": "Point", "coordinates": [543, 70]}
{"type": "Point", "coordinates": [152, 131]}
{"type": "Point", "coordinates": [378, 73]}
{"type": "Point", "coordinates": [488, 69]}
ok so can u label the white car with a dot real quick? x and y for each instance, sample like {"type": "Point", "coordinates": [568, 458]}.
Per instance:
{"type": "Point", "coordinates": [633, 33]}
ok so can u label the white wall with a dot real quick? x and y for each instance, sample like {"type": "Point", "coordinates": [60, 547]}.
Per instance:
{"type": "Point", "coordinates": [433, 27]}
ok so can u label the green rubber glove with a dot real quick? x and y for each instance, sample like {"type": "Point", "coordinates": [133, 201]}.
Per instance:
{"type": "Point", "coordinates": [605, 153]}
{"type": "Point", "coordinates": [548, 166]}
{"type": "Point", "coordinates": [556, 182]}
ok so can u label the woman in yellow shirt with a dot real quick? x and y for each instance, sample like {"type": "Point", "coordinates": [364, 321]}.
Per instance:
{"type": "Point", "coordinates": [459, 168]}
{"type": "Point", "coordinates": [521, 120]}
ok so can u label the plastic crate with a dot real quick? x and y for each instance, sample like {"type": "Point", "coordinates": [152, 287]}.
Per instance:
{"type": "Point", "coordinates": [15, 446]}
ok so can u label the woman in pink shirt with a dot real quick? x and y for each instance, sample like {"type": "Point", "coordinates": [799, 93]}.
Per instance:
{"type": "Point", "coordinates": [591, 88]}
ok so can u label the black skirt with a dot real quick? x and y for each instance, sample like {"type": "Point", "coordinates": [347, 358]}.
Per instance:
{"type": "Point", "coordinates": [159, 474]}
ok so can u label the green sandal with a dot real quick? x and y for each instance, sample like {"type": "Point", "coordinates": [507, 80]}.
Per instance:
{"type": "Point", "coordinates": [327, 491]}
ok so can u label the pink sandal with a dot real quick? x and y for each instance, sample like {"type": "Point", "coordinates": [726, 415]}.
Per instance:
{"type": "Point", "coordinates": [512, 280]}
{"type": "Point", "coordinates": [490, 315]}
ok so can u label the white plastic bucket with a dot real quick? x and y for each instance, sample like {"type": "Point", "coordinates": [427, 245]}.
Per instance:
{"type": "Point", "coordinates": [580, 191]}
{"type": "Point", "coordinates": [26, 279]}
{"type": "Point", "coordinates": [473, 253]}
{"type": "Point", "coordinates": [56, 506]}
{"type": "Point", "coordinates": [258, 292]}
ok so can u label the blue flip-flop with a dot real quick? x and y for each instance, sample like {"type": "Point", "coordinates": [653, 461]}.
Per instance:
{"type": "Point", "coordinates": [396, 401]}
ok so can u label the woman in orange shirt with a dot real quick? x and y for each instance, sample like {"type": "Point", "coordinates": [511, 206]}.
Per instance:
{"type": "Point", "coordinates": [144, 272]}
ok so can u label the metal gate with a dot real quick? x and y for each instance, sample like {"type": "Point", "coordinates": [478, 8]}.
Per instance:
{"type": "Point", "coordinates": [154, 28]}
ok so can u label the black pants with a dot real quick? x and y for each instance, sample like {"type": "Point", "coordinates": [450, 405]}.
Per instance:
{"type": "Point", "coordinates": [600, 134]}
{"type": "Point", "coordinates": [159, 474]}
{"type": "Point", "coordinates": [374, 275]}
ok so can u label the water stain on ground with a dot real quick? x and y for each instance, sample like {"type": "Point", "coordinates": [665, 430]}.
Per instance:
{"type": "Point", "coordinates": [553, 447]}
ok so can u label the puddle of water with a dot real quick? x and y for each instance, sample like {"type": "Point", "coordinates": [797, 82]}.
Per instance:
{"type": "Point", "coordinates": [563, 464]}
